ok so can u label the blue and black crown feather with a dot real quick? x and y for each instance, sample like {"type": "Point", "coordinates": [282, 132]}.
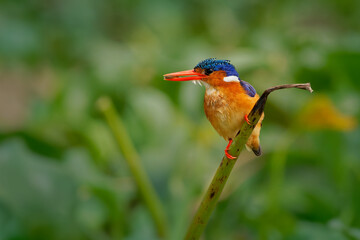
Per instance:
{"type": "Point", "coordinates": [225, 65]}
{"type": "Point", "coordinates": [218, 65]}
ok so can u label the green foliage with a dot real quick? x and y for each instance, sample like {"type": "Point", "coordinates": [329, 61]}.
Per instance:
{"type": "Point", "coordinates": [62, 175]}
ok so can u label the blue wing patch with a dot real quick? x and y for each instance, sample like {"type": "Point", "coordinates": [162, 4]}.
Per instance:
{"type": "Point", "coordinates": [250, 90]}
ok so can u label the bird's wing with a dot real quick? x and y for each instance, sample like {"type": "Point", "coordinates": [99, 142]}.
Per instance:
{"type": "Point", "coordinates": [250, 90]}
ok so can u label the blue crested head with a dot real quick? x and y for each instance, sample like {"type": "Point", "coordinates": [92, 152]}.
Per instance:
{"type": "Point", "coordinates": [211, 64]}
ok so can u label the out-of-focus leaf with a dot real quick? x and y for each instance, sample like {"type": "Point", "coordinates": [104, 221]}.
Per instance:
{"type": "Point", "coordinates": [141, 226]}
{"type": "Point", "coordinates": [308, 230]}
{"type": "Point", "coordinates": [38, 193]}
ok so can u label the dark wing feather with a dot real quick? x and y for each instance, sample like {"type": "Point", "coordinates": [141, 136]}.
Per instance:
{"type": "Point", "coordinates": [250, 90]}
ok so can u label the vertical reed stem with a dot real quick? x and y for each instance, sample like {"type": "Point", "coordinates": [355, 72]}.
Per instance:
{"type": "Point", "coordinates": [132, 159]}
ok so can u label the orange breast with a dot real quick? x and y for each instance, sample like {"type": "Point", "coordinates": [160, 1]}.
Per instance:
{"type": "Point", "coordinates": [226, 106]}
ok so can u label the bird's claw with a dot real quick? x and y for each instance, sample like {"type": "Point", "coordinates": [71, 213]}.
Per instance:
{"type": "Point", "coordinates": [228, 155]}
{"type": "Point", "coordinates": [247, 119]}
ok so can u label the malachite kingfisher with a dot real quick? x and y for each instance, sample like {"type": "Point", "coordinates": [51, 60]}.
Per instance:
{"type": "Point", "coordinates": [228, 99]}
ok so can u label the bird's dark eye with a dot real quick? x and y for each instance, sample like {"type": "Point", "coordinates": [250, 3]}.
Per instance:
{"type": "Point", "coordinates": [208, 71]}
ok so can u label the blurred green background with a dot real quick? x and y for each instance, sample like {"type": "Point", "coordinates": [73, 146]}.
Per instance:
{"type": "Point", "coordinates": [62, 175]}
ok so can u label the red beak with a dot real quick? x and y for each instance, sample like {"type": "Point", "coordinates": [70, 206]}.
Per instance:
{"type": "Point", "coordinates": [179, 76]}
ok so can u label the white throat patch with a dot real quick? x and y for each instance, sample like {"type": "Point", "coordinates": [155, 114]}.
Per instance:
{"type": "Point", "coordinates": [209, 90]}
{"type": "Point", "coordinates": [231, 79]}
{"type": "Point", "coordinates": [197, 82]}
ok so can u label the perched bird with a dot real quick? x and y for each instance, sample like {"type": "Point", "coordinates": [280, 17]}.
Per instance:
{"type": "Point", "coordinates": [228, 99]}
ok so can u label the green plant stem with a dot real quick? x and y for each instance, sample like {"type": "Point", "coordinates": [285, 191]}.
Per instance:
{"type": "Point", "coordinates": [132, 158]}
{"type": "Point", "coordinates": [222, 174]}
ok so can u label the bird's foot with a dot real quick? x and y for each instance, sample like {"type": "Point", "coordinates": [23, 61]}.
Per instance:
{"type": "Point", "coordinates": [247, 119]}
{"type": "Point", "coordinates": [228, 155]}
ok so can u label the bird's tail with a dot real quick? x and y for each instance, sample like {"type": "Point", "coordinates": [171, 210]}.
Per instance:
{"type": "Point", "coordinates": [253, 142]}
{"type": "Point", "coordinates": [257, 151]}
